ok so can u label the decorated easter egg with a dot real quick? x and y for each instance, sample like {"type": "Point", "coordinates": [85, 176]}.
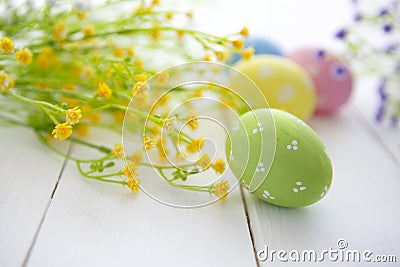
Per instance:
{"type": "Point", "coordinates": [284, 84]}
{"type": "Point", "coordinates": [332, 78]}
{"type": "Point", "coordinates": [261, 46]}
{"type": "Point", "coordinates": [279, 158]}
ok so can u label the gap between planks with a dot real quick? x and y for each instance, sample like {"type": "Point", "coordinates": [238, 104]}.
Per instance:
{"type": "Point", "coordinates": [251, 233]}
{"type": "Point", "coordinates": [44, 215]}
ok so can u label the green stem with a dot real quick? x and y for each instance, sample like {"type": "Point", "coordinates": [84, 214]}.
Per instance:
{"type": "Point", "coordinates": [99, 148]}
{"type": "Point", "coordinates": [44, 141]}
{"type": "Point", "coordinates": [37, 102]}
{"type": "Point", "coordinates": [187, 187]}
{"type": "Point", "coordinates": [52, 91]}
{"type": "Point", "coordinates": [45, 110]}
{"type": "Point", "coordinates": [168, 167]}
{"type": "Point", "coordinates": [101, 177]}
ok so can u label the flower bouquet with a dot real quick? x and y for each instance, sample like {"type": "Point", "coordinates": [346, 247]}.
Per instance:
{"type": "Point", "coordinates": [70, 69]}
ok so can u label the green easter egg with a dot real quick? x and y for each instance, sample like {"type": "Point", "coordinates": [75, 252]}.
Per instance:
{"type": "Point", "coordinates": [279, 158]}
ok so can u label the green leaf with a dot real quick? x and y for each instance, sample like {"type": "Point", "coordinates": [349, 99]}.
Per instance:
{"type": "Point", "coordinates": [109, 164]}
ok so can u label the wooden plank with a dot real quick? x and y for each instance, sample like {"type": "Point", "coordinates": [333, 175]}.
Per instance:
{"type": "Point", "coordinates": [94, 224]}
{"type": "Point", "coordinates": [362, 206]}
{"type": "Point", "coordinates": [29, 173]}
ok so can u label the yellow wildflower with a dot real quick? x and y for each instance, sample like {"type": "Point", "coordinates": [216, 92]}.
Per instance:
{"type": "Point", "coordinates": [192, 120]}
{"type": "Point", "coordinates": [46, 58]}
{"type": "Point", "coordinates": [207, 57]}
{"type": "Point", "coordinates": [238, 43]}
{"type": "Point", "coordinates": [162, 77]}
{"type": "Point", "coordinates": [62, 131]}
{"type": "Point", "coordinates": [221, 189]}
{"type": "Point", "coordinates": [42, 62]}
{"type": "Point", "coordinates": [130, 51]}
{"type": "Point", "coordinates": [140, 100]}
{"type": "Point", "coordinates": [82, 15]}
{"type": "Point", "coordinates": [134, 184]}
{"type": "Point", "coordinates": [212, 86]}
{"type": "Point", "coordinates": [41, 85]}
{"type": "Point", "coordinates": [103, 90]}
{"type": "Point", "coordinates": [162, 149]}
{"type": "Point", "coordinates": [163, 100]}
{"type": "Point", "coordinates": [88, 30]}
{"type": "Point", "coordinates": [24, 56]}
{"type": "Point", "coordinates": [141, 77]}
{"type": "Point", "coordinates": [154, 130]}
{"type": "Point", "coordinates": [6, 82]}
{"type": "Point", "coordinates": [180, 34]}
{"type": "Point", "coordinates": [68, 87]}
{"type": "Point", "coordinates": [136, 158]}
{"type": "Point", "coordinates": [118, 150]}
{"type": "Point", "coordinates": [130, 170]}
{"type": "Point", "coordinates": [119, 115]}
{"type": "Point", "coordinates": [169, 15]}
{"type": "Point", "coordinates": [95, 58]}
{"type": "Point", "coordinates": [139, 63]}
{"type": "Point", "coordinates": [198, 93]}
{"type": "Point", "coordinates": [156, 34]}
{"type": "Point", "coordinates": [244, 31]}
{"type": "Point", "coordinates": [219, 166]}
{"type": "Point", "coordinates": [138, 88]}
{"type": "Point", "coordinates": [149, 143]}
{"type": "Point", "coordinates": [60, 32]}
{"type": "Point", "coordinates": [119, 52]}
{"type": "Point", "coordinates": [155, 2]}
{"type": "Point", "coordinates": [247, 53]}
{"type": "Point", "coordinates": [195, 145]}
{"type": "Point", "coordinates": [189, 15]}
{"type": "Point", "coordinates": [6, 45]}
{"type": "Point", "coordinates": [73, 115]}
{"type": "Point", "coordinates": [168, 124]}
{"type": "Point", "coordinates": [82, 130]}
{"type": "Point", "coordinates": [94, 117]}
{"type": "Point", "coordinates": [204, 162]}
{"type": "Point", "coordinates": [221, 55]}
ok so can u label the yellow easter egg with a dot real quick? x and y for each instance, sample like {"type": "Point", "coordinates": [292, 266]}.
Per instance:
{"type": "Point", "coordinates": [284, 84]}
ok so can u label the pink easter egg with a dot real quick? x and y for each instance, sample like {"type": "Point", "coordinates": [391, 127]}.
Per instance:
{"type": "Point", "coordinates": [332, 78]}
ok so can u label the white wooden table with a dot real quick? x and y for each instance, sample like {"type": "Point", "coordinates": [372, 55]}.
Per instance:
{"type": "Point", "coordinates": [51, 216]}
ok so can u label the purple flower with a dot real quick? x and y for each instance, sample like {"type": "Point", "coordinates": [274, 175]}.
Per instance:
{"type": "Point", "coordinates": [358, 17]}
{"type": "Point", "coordinates": [387, 27]}
{"type": "Point", "coordinates": [391, 48]}
{"type": "Point", "coordinates": [381, 91]}
{"type": "Point", "coordinates": [380, 113]}
{"type": "Point", "coordinates": [341, 34]}
{"type": "Point", "coordinates": [383, 12]}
